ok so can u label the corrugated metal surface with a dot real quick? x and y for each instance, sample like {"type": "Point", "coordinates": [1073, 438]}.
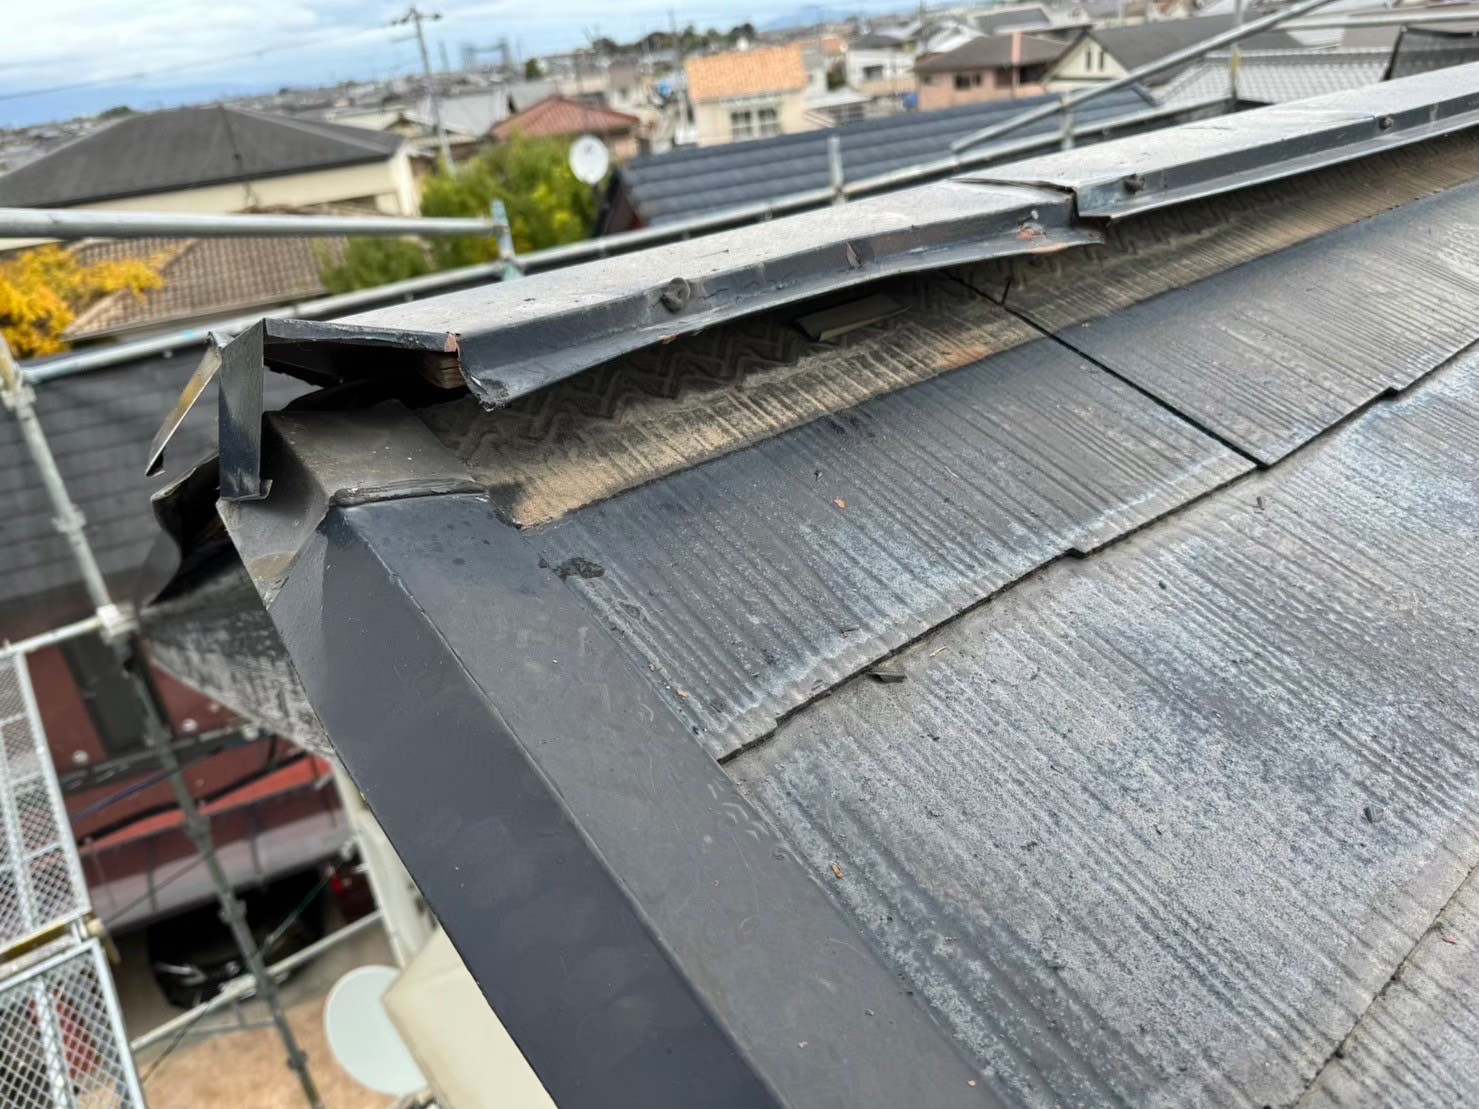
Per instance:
{"type": "Point", "coordinates": [1114, 825]}
{"type": "Point", "coordinates": [756, 581]}
{"type": "Point", "coordinates": [1414, 1048]}
{"type": "Point", "coordinates": [677, 404]}
{"type": "Point", "coordinates": [1273, 352]}
{"type": "Point", "coordinates": [1278, 76]}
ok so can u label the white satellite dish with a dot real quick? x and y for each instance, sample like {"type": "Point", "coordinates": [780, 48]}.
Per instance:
{"type": "Point", "coordinates": [362, 1037]}
{"type": "Point", "coordinates": [589, 159]}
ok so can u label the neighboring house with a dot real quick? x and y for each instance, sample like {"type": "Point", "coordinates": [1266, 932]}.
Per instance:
{"type": "Point", "coordinates": [419, 131]}
{"type": "Point", "coordinates": [683, 184]}
{"type": "Point", "coordinates": [881, 63]}
{"type": "Point", "coordinates": [1105, 53]}
{"type": "Point", "coordinates": [749, 94]}
{"type": "Point", "coordinates": [219, 160]}
{"type": "Point", "coordinates": [993, 67]}
{"type": "Point", "coordinates": [559, 117]}
{"type": "Point", "coordinates": [205, 280]}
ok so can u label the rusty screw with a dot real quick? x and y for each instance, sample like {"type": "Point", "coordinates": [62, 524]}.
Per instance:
{"type": "Point", "coordinates": [1134, 183]}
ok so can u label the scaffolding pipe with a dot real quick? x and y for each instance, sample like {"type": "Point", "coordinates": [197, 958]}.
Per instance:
{"type": "Point", "coordinates": [239, 988]}
{"type": "Point", "coordinates": [122, 636]}
{"type": "Point", "coordinates": [1135, 76]}
{"type": "Point", "coordinates": [49, 639]}
{"type": "Point", "coordinates": [71, 224]}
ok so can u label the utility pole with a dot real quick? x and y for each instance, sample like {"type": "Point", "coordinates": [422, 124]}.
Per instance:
{"type": "Point", "coordinates": [683, 102]}
{"type": "Point", "coordinates": [416, 16]}
{"type": "Point", "coordinates": [120, 630]}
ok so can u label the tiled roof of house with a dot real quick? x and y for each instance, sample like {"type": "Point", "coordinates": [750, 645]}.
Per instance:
{"type": "Point", "coordinates": [188, 148]}
{"type": "Point", "coordinates": [769, 69]}
{"type": "Point", "coordinates": [1144, 43]}
{"type": "Point", "coordinates": [559, 115]}
{"type": "Point", "coordinates": [994, 52]}
{"type": "Point", "coordinates": [206, 277]}
{"type": "Point", "coordinates": [1276, 76]}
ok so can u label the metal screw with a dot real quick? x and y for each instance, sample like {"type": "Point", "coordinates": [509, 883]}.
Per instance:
{"type": "Point", "coordinates": [1134, 183]}
{"type": "Point", "coordinates": [1385, 123]}
{"type": "Point", "coordinates": [675, 295]}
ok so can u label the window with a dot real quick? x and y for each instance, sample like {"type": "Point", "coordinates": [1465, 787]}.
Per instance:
{"type": "Point", "coordinates": [962, 81]}
{"type": "Point", "coordinates": [741, 125]}
{"type": "Point", "coordinates": [873, 73]}
{"type": "Point", "coordinates": [770, 123]}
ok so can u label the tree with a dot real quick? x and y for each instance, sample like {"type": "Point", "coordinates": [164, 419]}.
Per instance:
{"type": "Point", "coordinates": [533, 71]}
{"type": "Point", "coordinates": [42, 290]}
{"type": "Point", "coordinates": [370, 262]}
{"type": "Point", "coordinates": [118, 111]}
{"type": "Point", "coordinates": [547, 205]}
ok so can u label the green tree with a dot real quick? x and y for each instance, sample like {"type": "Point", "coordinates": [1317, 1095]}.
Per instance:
{"type": "Point", "coordinates": [533, 71]}
{"type": "Point", "coordinates": [370, 262]}
{"type": "Point", "coordinates": [547, 205]}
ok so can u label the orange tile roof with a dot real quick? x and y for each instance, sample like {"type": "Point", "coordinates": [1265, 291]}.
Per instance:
{"type": "Point", "coordinates": [558, 115]}
{"type": "Point", "coordinates": [771, 69]}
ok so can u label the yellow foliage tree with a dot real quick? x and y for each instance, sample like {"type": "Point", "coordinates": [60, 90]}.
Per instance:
{"type": "Point", "coordinates": [42, 290]}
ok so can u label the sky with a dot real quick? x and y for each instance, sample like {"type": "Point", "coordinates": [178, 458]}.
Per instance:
{"type": "Point", "coordinates": [63, 58]}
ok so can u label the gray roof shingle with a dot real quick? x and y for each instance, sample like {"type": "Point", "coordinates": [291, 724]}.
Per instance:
{"type": "Point", "coordinates": [187, 148]}
{"type": "Point", "coordinates": [1144, 43]}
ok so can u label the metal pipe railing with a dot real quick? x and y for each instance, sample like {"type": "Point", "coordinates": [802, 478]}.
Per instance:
{"type": "Point", "coordinates": [50, 639]}
{"type": "Point", "coordinates": [1177, 58]}
{"type": "Point", "coordinates": [101, 357]}
{"type": "Point", "coordinates": [72, 223]}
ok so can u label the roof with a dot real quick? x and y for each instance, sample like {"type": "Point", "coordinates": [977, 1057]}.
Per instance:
{"type": "Point", "coordinates": [1141, 44]}
{"type": "Point", "coordinates": [206, 278]}
{"type": "Point", "coordinates": [985, 601]}
{"type": "Point", "coordinates": [188, 148]}
{"type": "Point", "coordinates": [1421, 49]}
{"type": "Point", "coordinates": [476, 113]}
{"type": "Point", "coordinates": [682, 183]}
{"type": "Point", "coordinates": [994, 52]}
{"type": "Point", "coordinates": [559, 115]}
{"type": "Point", "coordinates": [1029, 17]}
{"type": "Point", "coordinates": [745, 73]}
{"type": "Point", "coordinates": [882, 40]}
{"type": "Point", "coordinates": [1277, 76]}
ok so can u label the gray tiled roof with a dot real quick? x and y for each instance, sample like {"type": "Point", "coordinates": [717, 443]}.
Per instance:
{"type": "Point", "coordinates": [1143, 43]}
{"type": "Point", "coordinates": [1276, 76]}
{"type": "Point", "coordinates": [678, 184]}
{"type": "Point", "coordinates": [187, 148]}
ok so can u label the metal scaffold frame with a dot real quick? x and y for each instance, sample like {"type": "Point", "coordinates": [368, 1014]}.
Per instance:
{"type": "Point", "coordinates": [121, 633]}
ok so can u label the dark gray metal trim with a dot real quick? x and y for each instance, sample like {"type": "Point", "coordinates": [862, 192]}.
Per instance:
{"type": "Point", "coordinates": [1175, 165]}
{"type": "Point", "coordinates": [642, 933]}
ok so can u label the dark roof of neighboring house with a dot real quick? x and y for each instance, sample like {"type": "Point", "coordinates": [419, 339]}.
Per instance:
{"type": "Point", "coordinates": [994, 52]}
{"type": "Point", "coordinates": [188, 148]}
{"type": "Point", "coordinates": [1143, 43]}
{"type": "Point", "coordinates": [1019, 630]}
{"type": "Point", "coordinates": [559, 115]}
{"type": "Point", "coordinates": [1011, 19]}
{"type": "Point", "coordinates": [879, 40]}
{"type": "Point", "coordinates": [206, 278]}
{"type": "Point", "coordinates": [691, 182]}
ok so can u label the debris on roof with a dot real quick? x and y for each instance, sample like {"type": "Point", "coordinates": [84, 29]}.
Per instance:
{"type": "Point", "coordinates": [995, 660]}
{"type": "Point", "coordinates": [766, 69]}
{"type": "Point", "coordinates": [186, 148]}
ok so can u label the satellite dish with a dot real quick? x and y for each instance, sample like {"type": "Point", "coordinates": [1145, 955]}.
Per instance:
{"type": "Point", "coordinates": [363, 1039]}
{"type": "Point", "coordinates": [589, 159]}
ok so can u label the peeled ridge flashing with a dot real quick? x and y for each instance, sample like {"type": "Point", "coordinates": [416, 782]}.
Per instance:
{"type": "Point", "coordinates": [515, 338]}
{"type": "Point", "coordinates": [1174, 165]}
